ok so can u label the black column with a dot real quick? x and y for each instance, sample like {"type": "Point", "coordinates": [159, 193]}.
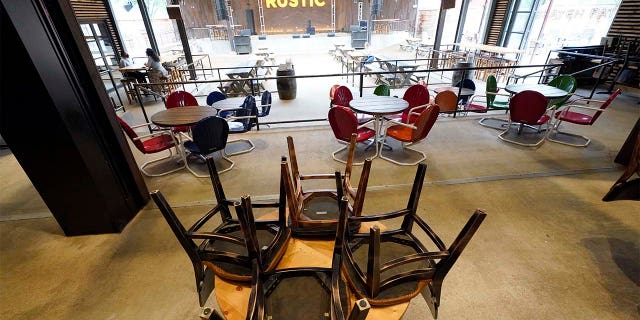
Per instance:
{"type": "Point", "coordinates": [57, 119]}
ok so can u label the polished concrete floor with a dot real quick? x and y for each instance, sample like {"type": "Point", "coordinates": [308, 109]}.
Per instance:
{"type": "Point", "coordinates": [549, 248]}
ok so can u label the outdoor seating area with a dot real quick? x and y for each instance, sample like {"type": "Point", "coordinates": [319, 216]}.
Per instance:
{"type": "Point", "coordinates": [355, 160]}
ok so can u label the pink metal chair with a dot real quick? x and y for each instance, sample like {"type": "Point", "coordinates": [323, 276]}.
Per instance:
{"type": "Point", "coordinates": [344, 123]}
{"type": "Point", "coordinates": [418, 98]}
{"type": "Point", "coordinates": [180, 99]}
{"type": "Point", "coordinates": [527, 108]}
{"type": "Point", "coordinates": [570, 114]}
{"type": "Point", "coordinates": [342, 96]}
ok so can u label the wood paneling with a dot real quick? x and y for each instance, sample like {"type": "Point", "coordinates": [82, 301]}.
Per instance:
{"type": "Point", "coordinates": [496, 22]}
{"type": "Point", "coordinates": [627, 20]}
{"type": "Point", "coordinates": [95, 11]}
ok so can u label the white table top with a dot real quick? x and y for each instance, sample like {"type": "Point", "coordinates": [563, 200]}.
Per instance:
{"type": "Point", "coordinates": [378, 105]}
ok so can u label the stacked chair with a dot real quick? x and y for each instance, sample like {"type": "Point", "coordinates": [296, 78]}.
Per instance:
{"type": "Point", "coordinates": [370, 265]}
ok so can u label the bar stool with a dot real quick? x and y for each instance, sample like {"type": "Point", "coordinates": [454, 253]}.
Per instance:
{"type": "Point", "coordinates": [129, 90]}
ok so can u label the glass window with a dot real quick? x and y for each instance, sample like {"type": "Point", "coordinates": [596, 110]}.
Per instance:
{"type": "Point", "coordinates": [520, 22]}
{"type": "Point", "coordinates": [525, 5]}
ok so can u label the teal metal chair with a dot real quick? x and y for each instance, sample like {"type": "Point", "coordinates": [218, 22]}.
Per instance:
{"type": "Point", "coordinates": [382, 90]}
{"type": "Point", "coordinates": [566, 83]}
{"type": "Point", "coordinates": [491, 103]}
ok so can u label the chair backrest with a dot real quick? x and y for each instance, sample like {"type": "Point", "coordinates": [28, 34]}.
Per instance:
{"type": "Point", "coordinates": [446, 100]}
{"type": "Point", "coordinates": [180, 99]}
{"type": "Point", "coordinates": [343, 122]}
{"type": "Point", "coordinates": [492, 86]}
{"type": "Point", "coordinates": [605, 105]}
{"type": "Point", "coordinates": [210, 134]}
{"type": "Point", "coordinates": [527, 107]}
{"type": "Point", "coordinates": [342, 96]}
{"type": "Point", "coordinates": [467, 83]}
{"type": "Point", "coordinates": [131, 134]}
{"type": "Point", "coordinates": [566, 83]}
{"type": "Point", "coordinates": [332, 91]}
{"type": "Point", "coordinates": [215, 96]}
{"type": "Point", "coordinates": [355, 196]}
{"type": "Point", "coordinates": [382, 90]}
{"type": "Point", "coordinates": [265, 103]}
{"type": "Point", "coordinates": [425, 122]}
{"type": "Point", "coordinates": [416, 95]}
{"type": "Point", "coordinates": [250, 111]}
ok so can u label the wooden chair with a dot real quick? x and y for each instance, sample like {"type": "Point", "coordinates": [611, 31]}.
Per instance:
{"type": "Point", "coordinates": [623, 188]}
{"type": "Point", "coordinates": [314, 213]}
{"type": "Point", "coordinates": [393, 266]}
{"type": "Point", "coordinates": [223, 250]}
{"type": "Point", "coordinates": [129, 90]}
{"type": "Point", "coordinates": [297, 293]}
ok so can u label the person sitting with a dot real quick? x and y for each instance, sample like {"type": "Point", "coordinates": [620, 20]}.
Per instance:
{"type": "Point", "coordinates": [156, 70]}
{"type": "Point", "coordinates": [125, 61]}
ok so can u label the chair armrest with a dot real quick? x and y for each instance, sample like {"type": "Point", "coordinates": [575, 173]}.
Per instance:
{"type": "Point", "coordinates": [389, 122]}
{"type": "Point", "coordinates": [317, 176]}
{"type": "Point", "coordinates": [242, 117]}
{"type": "Point", "coordinates": [142, 125]}
{"type": "Point", "coordinates": [217, 237]}
{"type": "Point", "coordinates": [364, 124]}
{"type": "Point", "coordinates": [473, 97]}
{"type": "Point", "coordinates": [583, 107]}
{"type": "Point", "coordinates": [434, 237]}
{"type": "Point", "coordinates": [413, 258]}
{"type": "Point", "coordinates": [498, 94]}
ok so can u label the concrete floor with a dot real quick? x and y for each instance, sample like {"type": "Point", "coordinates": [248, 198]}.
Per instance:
{"type": "Point", "coordinates": [549, 248]}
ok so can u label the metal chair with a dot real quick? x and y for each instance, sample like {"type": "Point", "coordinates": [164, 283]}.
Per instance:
{"type": "Point", "coordinates": [418, 98]}
{"type": "Point", "coordinates": [151, 143]}
{"type": "Point", "coordinates": [411, 133]}
{"type": "Point", "coordinates": [314, 213]}
{"type": "Point", "coordinates": [566, 83]}
{"type": "Point", "coordinates": [382, 90]}
{"type": "Point", "coordinates": [244, 119]}
{"type": "Point", "coordinates": [571, 115]}
{"type": "Point", "coordinates": [223, 250]}
{"type": "Point", "coordinates": [342, 96]}
{"type": "Point", "coordinates": [491, 103]}
{"type": "Point", "coordinates": [446, 100]}
{"type": "Point", "coordinates": [215, 96]}
{"type": "Point", "coordinates": [344, 123]}
{"type": "Point", "coordinates": [393, 266]}
{"type": "Point", "coordinates": [180, 99]}
{"type": "Point", "coordinates": [332, 93]}
{"type": "Point", "coordinates": [209, 135]}
{"type": "Point", "coordinates": [265, 107]}
{"type": "Point", "coordinates": [298, 293]}
{"type": "Point", "coordinates": [526, 108]}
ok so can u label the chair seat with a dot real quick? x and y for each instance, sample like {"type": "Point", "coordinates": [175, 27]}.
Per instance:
{"type": "Point", "coordinates": [157, 144]}
{"type": "Point", "coordinates": [504, 105]}
{"type": "Point", "coordinates": [540, 121]}
{"type": "Point", "coordinates": [180, 129]}
{"type": "Point", "coordinates": [400, 133]}
{"type": "Point", "coordinates": [574, 117]}
{"type": "Point", "coordinates": [476, 107]}
{"type": "Point", "coordinates": [364, 134]}
{"type": "Point", "coordinates": [236, 127]}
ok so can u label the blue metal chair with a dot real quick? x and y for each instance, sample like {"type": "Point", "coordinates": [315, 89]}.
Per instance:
{"type": "Point", "coordinates": [215, 96]}
{"type": "Point", "coordinates": [243, 120]}
{"type": "Point", "coordinates": [209, 135]}
{"type": "Point", "coordinates": [265, 107]}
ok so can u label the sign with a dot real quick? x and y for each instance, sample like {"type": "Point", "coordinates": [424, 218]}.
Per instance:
{"type": "Point", "coordinates": [273, 4]}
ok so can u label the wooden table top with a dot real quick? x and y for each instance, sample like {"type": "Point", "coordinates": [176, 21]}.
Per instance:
{"type": "Point", "coordinates": [233, 298]}
{"type": "Point", "coordinates": [378, 105]}
{"type": "Point", "coordinates": [463, 92]}
{"type": "Point", "coordinates": [229, 103]}
{"type": "Point", "coordinates": [133, 67]}
{"type": "Point", "coordinates": [546, 90]}
{"type": "Point", "coordinates": [182, 116]}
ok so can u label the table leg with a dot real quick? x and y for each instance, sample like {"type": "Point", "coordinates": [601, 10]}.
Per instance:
{"type": "Point", "coordinates": [376, 127]}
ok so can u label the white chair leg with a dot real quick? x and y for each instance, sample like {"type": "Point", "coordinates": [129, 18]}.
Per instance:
{"type": "Point", "coordinates": [422, 156]}
{"type": "Point", "coordinates": [555, 132]}
{"type": "Point", "coordinates": [144, 165]}
{"type": "Point", "coordinates": [503, 138]}
{"type": "Point", "coordinates": [203, 159]}
{"type": "Point", "coordinates": [242, 151]}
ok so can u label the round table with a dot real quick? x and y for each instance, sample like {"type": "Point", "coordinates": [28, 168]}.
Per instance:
{"type": "Point", "coordinates": [546, 90]}
{"type": "Point", "coordinates": [182, 116]}
{"type": "Point", "coordinates": [229, 103]}
{"type": "Point", "coordinates": [378, 106]}
{"type": "Point", "coordinates": [233, 297]}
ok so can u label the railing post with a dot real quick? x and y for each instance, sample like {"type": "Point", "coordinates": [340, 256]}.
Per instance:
{"type": "Point", "coordinates": [361, 83]}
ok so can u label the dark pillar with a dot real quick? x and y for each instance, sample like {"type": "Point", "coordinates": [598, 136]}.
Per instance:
{"type": "Point", "coordinates": [58, 121]}
{"type": "Point", "coordinates": [147, 25]}
{"type": "Point", "coordinates": [174, 13]}
{"type": "Point", "coordinates": [438, 38]}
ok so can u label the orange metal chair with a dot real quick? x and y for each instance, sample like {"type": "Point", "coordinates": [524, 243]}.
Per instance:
{"type": "Point", "coordinates": [447, 101]}
{"type": "Point", "coordinates": [412, 133]}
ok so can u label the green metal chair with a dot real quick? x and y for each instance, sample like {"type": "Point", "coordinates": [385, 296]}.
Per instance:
{"type": "Point", "coordinates": [566, 83]}
{"type": "Point", "coordinates": [382, 90]}
{"type": "Point", "coordinates": [491, 103]}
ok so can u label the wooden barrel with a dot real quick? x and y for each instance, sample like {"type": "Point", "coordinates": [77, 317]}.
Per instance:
{"type": "Point", "coordinates": [287, 86]}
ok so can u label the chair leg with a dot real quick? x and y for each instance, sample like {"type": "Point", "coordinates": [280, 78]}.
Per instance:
{"type": "Point", "coordinates": [422, 156]}
{"type": "Point", "coordinates": [501, 126]}
{"type": "Point", "coordinates": [503, 138]}
{"type": "Point", "coordinates": [144, 165]}
{"type": "Point", "coordinates": [432, 298]}
{"type": "Point", "coordinates": [204, 159]}
{"type": "Point", "coordinates": [252, 146]}
{"type": "Point", "coordinates": [555, 132]}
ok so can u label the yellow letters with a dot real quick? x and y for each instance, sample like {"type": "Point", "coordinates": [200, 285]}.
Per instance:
{"type": "Point", "coordinates": [293, 3]}
{"type": "Point", "coordinates": [282, 3]}
{"type": "Point", "coordinates": [319, 3]}
{"type": "Point", "coordinates": [271, 4]}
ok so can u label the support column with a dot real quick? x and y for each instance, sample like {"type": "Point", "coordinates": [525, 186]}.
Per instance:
{"type": "Point", "coordinates": [147, 25]}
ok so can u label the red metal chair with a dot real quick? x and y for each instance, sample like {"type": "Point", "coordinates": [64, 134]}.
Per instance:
{"type": "Point", "coordinates": [418, 98]}
{"type": "Point", "coordinates": [151, 143]}
{"type": "Point", "coordinates": [344, 123]}
{"type": "Point", "coordinates": [412, 133]}
{"type": "Point", "coordinates": [332, 93]}
{"type": "Point", "coordinates": [526, 108]}
{"type": "Point", "coordinates": [180, 99]}
{"type": "Point", "coordinates": [342, 96]}
{"type": "Point", "coordinates": [569, 114]}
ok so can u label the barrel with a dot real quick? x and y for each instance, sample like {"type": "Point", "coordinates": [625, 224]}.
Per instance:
{"type": "Point", "coordinates": [286, 87]}
{"type": "Point", "coordinates": [457, 75]}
